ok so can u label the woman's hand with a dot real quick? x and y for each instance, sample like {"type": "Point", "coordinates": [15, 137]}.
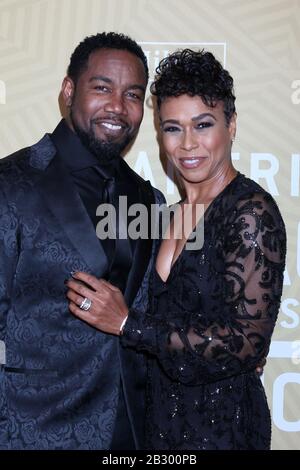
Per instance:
{"type": "Point", "coordinates": [108, 308]}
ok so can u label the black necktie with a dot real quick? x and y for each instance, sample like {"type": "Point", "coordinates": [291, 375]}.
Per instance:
{"type": "Point", "coordinates": [108, 197]}
{"type": "Point", "coordinates": [117, 249]}
{"type": "Point", "coordinates": [109, 190]}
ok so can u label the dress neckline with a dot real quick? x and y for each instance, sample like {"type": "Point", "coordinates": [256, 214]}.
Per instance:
{"type": "Point", "coordinates": [204, 215]}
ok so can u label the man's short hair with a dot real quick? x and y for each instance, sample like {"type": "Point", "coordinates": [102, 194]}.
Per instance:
{"type": "Point", "coordinates": [111, 40]}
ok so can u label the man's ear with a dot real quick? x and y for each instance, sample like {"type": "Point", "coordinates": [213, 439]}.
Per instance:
{"type": "Point", "coordinates": [67, 91]}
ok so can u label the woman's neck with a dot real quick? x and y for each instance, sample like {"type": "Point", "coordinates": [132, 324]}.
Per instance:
{"type": "Point", "coordinates": [206, 191]}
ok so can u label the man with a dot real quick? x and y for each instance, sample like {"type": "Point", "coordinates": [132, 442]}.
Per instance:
{"type": "Point", "coordinates": [65, 385]}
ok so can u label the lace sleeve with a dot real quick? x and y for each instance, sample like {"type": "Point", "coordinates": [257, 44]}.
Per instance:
{"type": "Point", "coordinates": [253, 248]}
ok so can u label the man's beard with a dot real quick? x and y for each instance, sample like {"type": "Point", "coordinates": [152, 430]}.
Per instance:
{"type": "Point", "coordinates": [106, 152]}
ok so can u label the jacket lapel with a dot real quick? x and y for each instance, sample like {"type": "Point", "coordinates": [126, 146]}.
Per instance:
{"type": "Point", "coordinates": [61, 197]}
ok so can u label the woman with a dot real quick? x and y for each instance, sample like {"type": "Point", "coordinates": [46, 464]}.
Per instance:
{"type": "Point", "coordinates": [212, 309]}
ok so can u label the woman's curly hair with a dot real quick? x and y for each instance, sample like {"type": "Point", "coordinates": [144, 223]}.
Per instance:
{"type": "Point", "coordinates": [195, 73]}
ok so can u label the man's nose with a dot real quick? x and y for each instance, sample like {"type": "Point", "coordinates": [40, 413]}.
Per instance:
{"type": "Point", "coordinates": [115, 104]}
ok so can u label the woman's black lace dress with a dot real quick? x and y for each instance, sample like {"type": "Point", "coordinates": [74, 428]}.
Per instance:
{"type": "Point", "coordinates": [210, 324]}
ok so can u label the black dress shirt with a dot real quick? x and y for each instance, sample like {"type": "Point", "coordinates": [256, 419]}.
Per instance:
{"type": "Point", "coordinates": [87, 174]}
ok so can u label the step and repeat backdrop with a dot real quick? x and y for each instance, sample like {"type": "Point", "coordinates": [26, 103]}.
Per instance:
{"type": "Point", "coordinates": [257, 40]}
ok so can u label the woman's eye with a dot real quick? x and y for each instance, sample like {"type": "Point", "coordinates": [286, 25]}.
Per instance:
{"type": "Point", "coordinates": [204, 125]}
{"type": "Point", "coordinates": [171, 129]}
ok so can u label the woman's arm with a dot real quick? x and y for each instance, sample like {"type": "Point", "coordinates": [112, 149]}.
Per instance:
{"type": "Point", "coordinates": [253, 250]}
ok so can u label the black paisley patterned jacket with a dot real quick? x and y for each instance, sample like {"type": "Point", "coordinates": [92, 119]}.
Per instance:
{"type": "Point", "coordinates": [60, 385]}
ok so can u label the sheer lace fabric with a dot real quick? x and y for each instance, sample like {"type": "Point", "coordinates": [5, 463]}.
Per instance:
{"type": "Point", "coordinates": [210, 324]}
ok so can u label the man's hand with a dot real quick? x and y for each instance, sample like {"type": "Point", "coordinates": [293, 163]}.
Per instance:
{"type": "Point", "coordinates": [108, 307]}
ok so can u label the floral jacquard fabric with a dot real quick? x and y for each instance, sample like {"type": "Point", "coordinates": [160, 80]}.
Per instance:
{"type": "Point", "coordinates": [210, 324]}
{"type": "Point", "coordinates": [60, 384]}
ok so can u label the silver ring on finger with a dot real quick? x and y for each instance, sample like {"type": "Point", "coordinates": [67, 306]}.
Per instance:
{"type": "Point", "coordinates": [85, 304]}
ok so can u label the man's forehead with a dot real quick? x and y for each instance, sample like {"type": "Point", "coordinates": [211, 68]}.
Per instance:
{"type": "Point", "coordinates": [114, 55]}
{"type": "Point", "coordinates": [114, 62]}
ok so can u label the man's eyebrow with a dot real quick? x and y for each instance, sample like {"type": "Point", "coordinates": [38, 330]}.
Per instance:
{"type": "Point", "coordinates": [102, 78]}
{"type": "Point", "coordinates": [137, 87]}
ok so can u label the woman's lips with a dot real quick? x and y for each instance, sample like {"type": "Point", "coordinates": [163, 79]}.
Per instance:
{"type": "Point", "coordinates": [192, 162]}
